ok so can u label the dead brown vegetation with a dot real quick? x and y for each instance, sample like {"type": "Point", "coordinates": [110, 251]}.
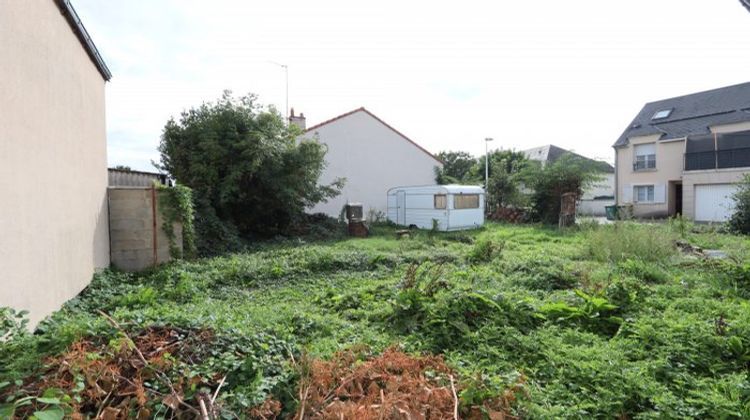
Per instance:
{"type": "Point", "coordinates": [393, 385]}
{"type": "Point", "coordinates": [111, 377]}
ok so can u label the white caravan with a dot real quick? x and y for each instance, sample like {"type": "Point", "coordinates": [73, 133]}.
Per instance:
{"type": "Point", "coordinates": [453, 207]}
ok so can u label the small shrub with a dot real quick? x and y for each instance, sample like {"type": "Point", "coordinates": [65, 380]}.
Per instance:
{"type": "Point", "coordinates": [740, 220]}
{"type": "Point", "coordinates": [645, 271]}
{"type": "Point", "coordinates": [737, 276]}
{"type": "Point", "coordinates": [624, 291]}
{"type": "Point", "coordinates": [485, 249]}
{"type": "Point", "coordinates": [540, 273]}
{"type": "Point", "coordinates": [595, 313]}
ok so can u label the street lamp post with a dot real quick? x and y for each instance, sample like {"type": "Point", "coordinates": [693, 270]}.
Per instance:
{"type": "Point", "coordinates": [487, 141]}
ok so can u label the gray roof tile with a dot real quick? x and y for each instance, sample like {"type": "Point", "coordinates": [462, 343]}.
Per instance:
{"type": "Point", "coordinates": [691, 114]}
{"type": "Point", "coordinates": [551, 153]}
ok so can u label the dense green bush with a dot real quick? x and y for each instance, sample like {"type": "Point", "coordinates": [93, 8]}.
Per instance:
{"type": "Point", "coordinates": [539, 272]}
{"type": "Point", "coordinates": [484, 250]}
{"type": "Point", "coordinates": [249, 175]}
{"type": "Point", "coordinates": [570, 173]}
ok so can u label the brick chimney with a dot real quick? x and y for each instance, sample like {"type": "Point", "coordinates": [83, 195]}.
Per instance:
{"type": "Point", "coordinates": [299, 121]}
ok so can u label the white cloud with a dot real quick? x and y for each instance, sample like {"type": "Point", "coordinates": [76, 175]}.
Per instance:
{"type": "Point", "coordinates": [446, 74]}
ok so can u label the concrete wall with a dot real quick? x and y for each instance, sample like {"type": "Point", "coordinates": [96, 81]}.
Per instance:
{"type": "Point", "coordinates": [602, 188]}
{"type": "Point", "coordinates": [132, 229]}
{"type": "Point", "coordinates": [669, 164]}
{"type": "Point", "coordinates": [593, 207]}
{"type": "Point", "coordinates": [373, 158]}
{"type": "Point", "coordinates": [53, 160]}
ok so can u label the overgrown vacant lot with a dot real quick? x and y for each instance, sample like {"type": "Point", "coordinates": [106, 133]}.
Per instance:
{"type": "Point", "coordinates": [604, 322]}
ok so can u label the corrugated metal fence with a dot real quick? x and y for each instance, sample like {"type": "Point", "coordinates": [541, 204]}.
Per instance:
{"type": "Point", "coordinates": [125, 178]}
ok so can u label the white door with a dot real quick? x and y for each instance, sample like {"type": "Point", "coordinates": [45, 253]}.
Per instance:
{"type": "Point", "coordinates": [713, 203]}
{"type": "Point", "coordinates": [401, 208]}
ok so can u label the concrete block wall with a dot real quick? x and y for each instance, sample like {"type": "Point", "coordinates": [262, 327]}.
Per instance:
{"type": "Point", "coordinates": [134, 221]}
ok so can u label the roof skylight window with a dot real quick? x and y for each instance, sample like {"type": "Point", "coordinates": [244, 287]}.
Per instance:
{"type": "Point", "coordinates": [660, 115]}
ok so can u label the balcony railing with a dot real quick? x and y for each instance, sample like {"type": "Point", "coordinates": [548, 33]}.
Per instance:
{"type": "Point", "coordinates": [644, 165]}
{"type": "Point", "coordinates": [718, 159]}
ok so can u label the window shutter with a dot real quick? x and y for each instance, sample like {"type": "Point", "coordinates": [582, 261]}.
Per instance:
{"type": "Point", "coordinates": [645, 149]}
{"type": "Point", "coordinates": [627, 194]}
{"type": "Point", "coordinates": [660, 193]}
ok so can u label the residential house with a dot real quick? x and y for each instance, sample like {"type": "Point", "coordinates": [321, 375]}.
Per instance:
{"type": "Point", "coordinates": [373, 157]}
{"type": "Point", "coordinates": [53, 156]}
{"type": "Point", "coordinates": [685, 155]}
{"type": "Point", "coordinates": [596, 197]}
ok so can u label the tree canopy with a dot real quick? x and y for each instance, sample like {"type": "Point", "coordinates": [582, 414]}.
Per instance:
{"type": "Point", "coordinates": [457, 167]}
{"type": "Point", "coordinates": [249, 174]}
{"type": "Point", "coordinates": [504, 168]}
{"type": "Point", "coordinates": [547, 183]}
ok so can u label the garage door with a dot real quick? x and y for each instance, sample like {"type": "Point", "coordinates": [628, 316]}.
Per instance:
{"type": "Point", "coordinates": [713, 203]}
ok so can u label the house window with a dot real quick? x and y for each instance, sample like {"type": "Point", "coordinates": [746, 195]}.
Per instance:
{"type": "Point", "coordinates": [645, 157]}
{"type": "Point", "coordinates": [466, 201]}
{"type": "Point", "coordinates": [643, 193]}
{"type": "Point", "coordinates": [441, 201]}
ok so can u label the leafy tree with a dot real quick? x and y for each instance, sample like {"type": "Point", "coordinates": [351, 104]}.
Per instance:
{"type": "Point", "coordinates": [249, 175]}
{"type": "Point", "coordinates": [123, 168]}
{"type": "Point", "coordinates": [740, 220]}
{"type": "Point", "coordinates": [457, 168]}
{"type": "Point", "coordinates": [569, 173]}
{"type": "Point", "coordinates": [504, 183]}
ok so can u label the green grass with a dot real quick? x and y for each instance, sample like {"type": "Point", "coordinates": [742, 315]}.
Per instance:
{"type": "Point", "coordinates": [604, 322]}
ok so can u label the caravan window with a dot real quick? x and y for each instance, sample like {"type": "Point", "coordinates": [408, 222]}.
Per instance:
{"type": "Point", "coordinates": [441, 201]}
{"type": "Point", "coordinates": [466, 201]}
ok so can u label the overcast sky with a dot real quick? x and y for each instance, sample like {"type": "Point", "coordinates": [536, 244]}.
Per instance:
{"type": "Point", "coordinates": [446, 74]}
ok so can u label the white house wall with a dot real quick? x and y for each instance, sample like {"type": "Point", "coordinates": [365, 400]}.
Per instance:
{"type": "Point", "coordinates": [605, 187]}
{"type": "Point", "coordinates": [373, 158]}
{"type": "Point", "coordinates": [53, 160]}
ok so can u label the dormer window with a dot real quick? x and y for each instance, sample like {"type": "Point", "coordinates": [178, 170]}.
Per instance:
{"type": "Point", "coordinates": [660, 115]}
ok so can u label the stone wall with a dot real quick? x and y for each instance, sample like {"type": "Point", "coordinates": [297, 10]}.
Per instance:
{"type": "Point", "coordinates": [137, 240]}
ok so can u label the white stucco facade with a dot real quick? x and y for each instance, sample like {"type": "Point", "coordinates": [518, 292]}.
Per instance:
{"type": "Point", "coordinates": [598, 196]}
{"type": "Point", "coordinates": [373, 157]}
{"type": "Point", "coordinates": [53, 160]}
